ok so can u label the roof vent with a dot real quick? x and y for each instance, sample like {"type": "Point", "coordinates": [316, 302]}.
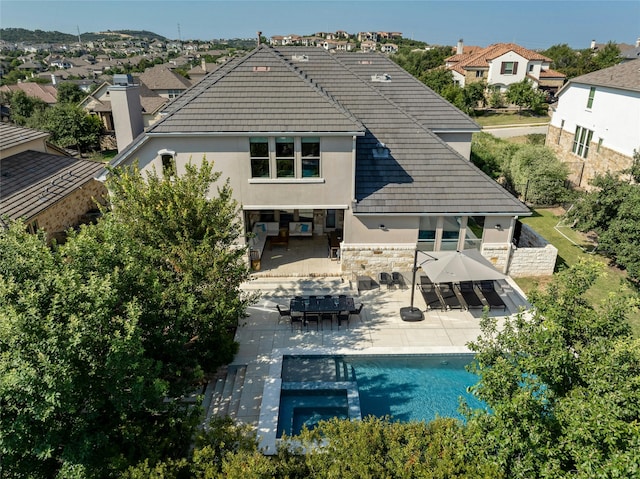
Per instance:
{"type": "Point", "coordinates": [300, 58]}
{"type": "Point", "coordinates": [261, 69]}
{"type": "Point", "coordinates": [381, 151]}
{"type": "Point", "coordinates": [384, 77]}
{"type": "Point", "coordinates": [365, 62]}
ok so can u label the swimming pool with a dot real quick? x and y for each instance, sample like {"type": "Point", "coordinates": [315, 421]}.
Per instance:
{"type": "Point", "coordinates": [405, 388]}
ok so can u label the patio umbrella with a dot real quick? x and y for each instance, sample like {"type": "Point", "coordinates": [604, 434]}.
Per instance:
{"type": "Point", "coordinates": [456, 266]}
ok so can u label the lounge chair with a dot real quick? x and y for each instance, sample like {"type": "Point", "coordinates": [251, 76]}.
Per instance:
{"type": "Point", "coordinates": [431, 297]}
{"type": "Point", "coordinates": [491, 295]}
{"type": "Point", "coordinates": [469, 295]}
{"type": "Point", "coordinates": [398, 279]}
{"type": "Point", "coordinates": [385, 278]}
{"type": "Point", "coordinates": [449, 296]}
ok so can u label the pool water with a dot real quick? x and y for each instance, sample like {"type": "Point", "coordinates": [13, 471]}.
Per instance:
{"type": "Point", "coordinates": [405, 388]}
{"type": "Point", "coordinates": [414, 388]}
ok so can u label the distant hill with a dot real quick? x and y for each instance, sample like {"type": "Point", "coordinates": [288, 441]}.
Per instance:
{"type": "Point", "coordinates": [16, 35]}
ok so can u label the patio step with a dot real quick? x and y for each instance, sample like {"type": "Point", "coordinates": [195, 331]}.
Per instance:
{"type": "Point", "coordinates": [226, 393]}
{"type": "Point", "coordinates": [304, 286]}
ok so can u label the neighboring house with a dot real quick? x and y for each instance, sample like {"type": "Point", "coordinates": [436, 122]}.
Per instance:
{"type": "Point", "coordinates": [631, 53]}
{"type": "Point", "coordinates": [47, 190]}
{"type": "Point", "coordinates": [198, 72]}
{"type": "Point", "coordinates": [99, 103]}
{"type": "Point", "coordinates": [595, 126]}
{"type": "Point", "coordinates": [503, 64]}
{"type": "Point", "coordinates": [368, 46]}
{"type": "Point", "coordinates": [315, 142]}
{"type": "Point", "coordinates": [389, 48]}
{"type": "Point", "coordinates": [163, 81]}
{"type": "Point", "coordinates": [46, 93]}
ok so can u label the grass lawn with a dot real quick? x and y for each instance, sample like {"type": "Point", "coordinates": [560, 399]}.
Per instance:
{"type": "Point", "coordinates": [613, 282]}
{"type": "Point", "coordinates": [501, 119]}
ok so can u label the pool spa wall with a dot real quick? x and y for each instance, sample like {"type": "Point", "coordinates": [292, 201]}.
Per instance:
{"type": "Point", "coordinates": [270, 409]}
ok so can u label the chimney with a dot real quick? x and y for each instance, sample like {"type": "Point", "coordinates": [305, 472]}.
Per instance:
{"type": "Point", "coordinates": [593, 44]}
{"type": "Point", "coordinates": [126, 110]}
{"type": "Point", "coordinates": [203, 64]}
{"type": "Point", "coordinates": [460, 47]}
{"type": "Point", "coordinates": [259, 39]}
{"type": "Point", "coordinates": [53, 79]}
{"type": "Point", "coordinates": [638, 43]}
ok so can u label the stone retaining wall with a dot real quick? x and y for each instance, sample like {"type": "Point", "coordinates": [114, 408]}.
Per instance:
{"type": "Point", "coordinates": [369, 261]}
{"type": "Point", "coordinates": [534, 256]}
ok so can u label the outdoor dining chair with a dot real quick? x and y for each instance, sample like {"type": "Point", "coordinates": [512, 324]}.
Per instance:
{"type": "Point", "coordinates": [357, 311]}
{"type": "Point", "coordinates": [310, 318]}
{"type": "Point", "coordinates": [283, 313]}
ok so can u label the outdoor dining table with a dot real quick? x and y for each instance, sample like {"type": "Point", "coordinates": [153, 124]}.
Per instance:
{"type": "Point", "coordinates": [322, 305]}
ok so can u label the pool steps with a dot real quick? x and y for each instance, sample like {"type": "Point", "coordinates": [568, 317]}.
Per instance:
{"type": "Point", "coordinates": [223, 393]}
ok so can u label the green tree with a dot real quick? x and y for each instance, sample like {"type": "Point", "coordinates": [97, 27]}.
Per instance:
{"type": "Point", "coordinates": [612, 211]}
{"type": "Point", "coordinates": [78, 393]}
{"type": "Point", "coordinates": [97, 334]}
{"type": "Point", "coordinates": [520, 94]}
{"type": "Point", "coordinates": [194, 236]}
{"type": "Point", "coordinates": [69, 125]}
{"type": "Point", "coordinates": [607, 56]}
{"type": "Point", "coordinates": [70, 93]}
{"type": "Point", "coordinates": [536, 174]}
{"type": "Point", "coordinates": [562, 383]}
{"type": "Point", "coordinates": [23, 107]}
{"type": "Point", "coordinates": [438, 79]}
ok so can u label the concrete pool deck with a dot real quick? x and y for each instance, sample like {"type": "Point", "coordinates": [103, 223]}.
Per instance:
{"type": "Point", "coordinates": [264, 339]}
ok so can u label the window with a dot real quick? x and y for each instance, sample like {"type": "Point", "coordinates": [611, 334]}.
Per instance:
{"type": "Point", "coordinates": [174, 93]}
{"type": "Point", "coordinates": [581, 141]}
{"type": "Point", "coordinates": [530, 68]}
{"type": "Point", "coordinates": [509, 68]}
{"type": "Point", "coordinates": [167, 157]}
{"type": "Point", "coordinates": [599, 145]}
{"type": "Point", "coordinates": [479, 73]}
{"type": "Point", "coordinates": [32, 227]}
{"type": "Point", "coordinates": [259, 151]}
{"type": "Point", "coordinates": [310, 148]}
{"type": "Point", "coordinates": [592, 93]}
{"type": "Point", "coordinates": [285, 160]}
{"type": "Point", "coordinates": [330, 219]}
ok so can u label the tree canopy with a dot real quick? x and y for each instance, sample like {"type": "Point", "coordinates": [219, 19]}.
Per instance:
{"type": "Point", "coordinates": [98, 336]}
{"type": "Point", "coordinates": [612, 211]}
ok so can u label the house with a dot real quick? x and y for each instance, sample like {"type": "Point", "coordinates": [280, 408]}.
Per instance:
{"type": "Point", "coordinates": [40, 185]}
{"type": "Point", "coordinates": [389, 48]}
{"type": "Point", "coordinates": [99, 103]}
{"type": "Point", "coordinates": [315, 142]}
{"type": "Point", "coordinates": [161, 80]}
{"type": "Point", "coordinates": [368, 46]}
{"type": "Point", "coordinates": [595, 126]}
{"type": "Point", "coordinates": [46, 93]}
{"type": "Point", "coordinates": [504, 64]}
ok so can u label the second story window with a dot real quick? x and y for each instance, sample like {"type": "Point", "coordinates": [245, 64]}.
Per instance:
{"type": "Point", "coordinates": [168, 160]}
{"type": "Point", "coordinates": [592, 94]}
{"type": "Point", "coordinates": [509, 68]}
{"type": "Point", "coordinates": [285, 158]}
{"type": "Point", "coordinates": [174, 93]}
{"type": "Point", "coordinates": [310, 148]}
{"type": "Point", "coordinates": [259, 151]}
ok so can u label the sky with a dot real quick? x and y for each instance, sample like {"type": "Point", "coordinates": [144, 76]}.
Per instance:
{"type": "Point", "coordinates": [532, 24]}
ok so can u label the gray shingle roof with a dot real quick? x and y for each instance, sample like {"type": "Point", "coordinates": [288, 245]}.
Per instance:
{"type": "Point", "coordinates": [259, 92]}
{"type": "Point", "coordinates": [334, 93]}
{"type": "Point", "coordinates": [12, 135]}
{"type": "Point", "coordinates": [625, 76]}
{"type": "Point", "coordinates": [31, 181]}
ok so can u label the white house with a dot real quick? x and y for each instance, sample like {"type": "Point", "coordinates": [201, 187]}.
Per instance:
{"type": "Point", "coordinates": [595, 126]}
{"type": "Point", "coordinates": [503, 64]}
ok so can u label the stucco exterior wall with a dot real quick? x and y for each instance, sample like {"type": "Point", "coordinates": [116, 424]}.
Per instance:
{"type": "Point", "coordinates": [495, 77]}
{"type": "Point", "coordinates": [39, 144]}
{"type": "Point", "coordinates": [66, 213]}
{"type": "Point", "coordinates": [459, 141]}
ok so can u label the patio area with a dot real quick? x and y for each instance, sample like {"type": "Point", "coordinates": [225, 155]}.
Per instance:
{"type": "Point", "coordinates": [264, 337]}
